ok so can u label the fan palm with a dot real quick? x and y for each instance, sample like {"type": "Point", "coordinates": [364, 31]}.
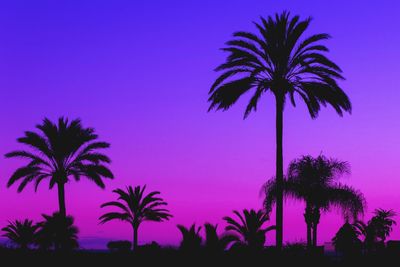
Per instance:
{"type": "Point", "coordinates": [249, 228]}
{"type": "Point", "coordinates": [136, 207]}
{"type": "Point", "coordinates": [21, 233]}
{"type": "Point", "coordinates": [215, 242]}
{"type": "Point", "coordinates": [314, 180]}
{"type": "Point", "coordinates": [58, 152]}
{"type": "Point", "coordinates": [58, 232]}
{"type": "Point", "coordinates": [277, 59]}
{"type": "Point", "coordinates": [191, 239]}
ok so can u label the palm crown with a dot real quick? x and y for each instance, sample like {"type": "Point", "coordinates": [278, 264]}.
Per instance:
{"type": "Point", "coordinates": [136, 207]}
{"type": "Point", "coordinates": [277, 60]}
{"type": "Point", "coordinates": [249, 228]}
{"type": "Point", "coordinates": [58, 232]}
{"type": "Point", "coordinates": [59, 152]}
{"type": "Point", "coordinates": [21, 233]}
{"type": "Point", "coordinates": [191, 239]}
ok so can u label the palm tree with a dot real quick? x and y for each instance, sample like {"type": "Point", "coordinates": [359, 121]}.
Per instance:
{"type": "Point", "coordinates": [249, 229]}
{"type": "Point", "coordinates": [58, 232]}
{"type": "Point", "coordinates": [278, 60]}
{"type": "Point", "coordinates": [314, 180]}
{"type": "Point", "coordinates": [21, 233]}
{"type": "Point", "coordinates": [59, 152]}
{"type": "Point", "coordinates": [191, 239]}
{"type": "Point", "coordinates": [136, 207]}
{"type": "Point", "coordinates": [377, 229]}
{"type": "Point", "coordinates": [383, 222]}
{"type": "Point", "coordinates": [214, 242]}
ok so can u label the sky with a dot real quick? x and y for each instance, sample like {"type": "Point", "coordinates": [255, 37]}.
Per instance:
{"type": "Point", "coordinates": [139, 72]}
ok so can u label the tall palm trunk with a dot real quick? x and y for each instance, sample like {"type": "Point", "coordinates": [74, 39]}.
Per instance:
{"type": "Point", "coordinates": [61, 199]}
{"type": "Point", "coordinates": [135, 238]}
{"type": "Point", "coordinates": [279, 172]}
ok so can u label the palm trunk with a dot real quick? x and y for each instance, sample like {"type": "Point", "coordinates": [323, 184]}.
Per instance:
{"type": "Point", "coordinates": [309, 236]}
{"type": "Point", "coordinates": [307, 217]}
{"type": "Point", "coordinates": [279, 172]}
{"type": "Point", "coordinates": [315, 217]}
{"type": "Point", "coordinates": [61, 199]}
{"type": "Point", "coordinates": [315, 227]}
{"type": "Point", "coordinates": [135, 238]}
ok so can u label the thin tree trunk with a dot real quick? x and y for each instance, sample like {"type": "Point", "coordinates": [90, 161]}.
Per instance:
{"type": "Point", "coordinates": [315, 227]}
{"type": "Point", "coordinates": [315, 217]}
{"type": "Point", "coordinates": [135, 238]}
{"type": "Point", "coordinates": [279, 172]}
{"type": "Point", "coordinates": [309, 234]}
{"type": "Point", "coordinates": [307, 217]}
{"type": "Point", "coordinates": [61, 199]}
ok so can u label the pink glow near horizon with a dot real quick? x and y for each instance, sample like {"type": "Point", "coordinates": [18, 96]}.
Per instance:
{"type": "Point", "coordinates": [139, 74]}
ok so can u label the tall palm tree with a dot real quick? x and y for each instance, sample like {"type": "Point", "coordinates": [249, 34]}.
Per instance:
{"type": "Point", "coordinates": [314, 180]}
{"type": "Point", "coordinates": [57, 232]}
{"type": "Point", "coordinates": [280, 60]}
{"type": "Point", "coordinates": [59, 152]}
{"type": "Point", "coordinates": [136, 207]}
{"type": "Point", "coordinates": [249, 228]}
{"type": "Point", "coordinates": [191, 239]}
{"type": "Point", "coordinates": [21, 233]}
{"type": "Point", "coordinates": [216, 243]}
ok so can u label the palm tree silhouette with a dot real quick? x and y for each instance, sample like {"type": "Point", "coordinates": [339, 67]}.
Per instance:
{"type": "Point", "coordinates": [215, 243]}
{"type": "Point", "coordinates": [21, 233]}
{"type": "Point", "coordinates": [278, 60]}
{"type": "Point", "coordinates": [57, 232]}
{"type": "Point", "coordinates": [191, 239]}
{"type": "Point", "coordinates": [249, 229]}
{"type": "Point", "coordinates": [59, 152]}
{"type": "Point", "coordinates": [136, 207]}
{"type": "Point", "coordinates": [314, 180]}
{"type": "Point", "coordinates": [377, 229]}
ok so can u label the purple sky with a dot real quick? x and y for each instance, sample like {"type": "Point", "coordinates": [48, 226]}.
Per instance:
{"type": "Point", "coordinates": [140, 74]}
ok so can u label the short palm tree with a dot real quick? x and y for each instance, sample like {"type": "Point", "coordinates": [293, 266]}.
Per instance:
{"type": "Point", "coordinates": [314, 180]}
{"type": "Point", "coordinates": [57, 232]}
{"type": "Point", "coordinates": [278, 59]}
{"type": "Point", "coordinates": [191, 239]}
{"type": "Point", "coordinates": [214, 242]}
{"type": "Point", "coordinates": [377, 229]}
{"type": "Point", "coordinates": [21, 233]}
{"type": "Point", "coordinates": [60, 151]}
{"type": "Point", "coordinates": [383, 222]}
{"type": "Point", "coordinates": [249, 229]}
{"type": "Point", "coordinates": [136, 207]}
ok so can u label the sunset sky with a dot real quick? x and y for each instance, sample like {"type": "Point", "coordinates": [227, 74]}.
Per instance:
{"type": "Point", "coordinates": [139, 73]}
